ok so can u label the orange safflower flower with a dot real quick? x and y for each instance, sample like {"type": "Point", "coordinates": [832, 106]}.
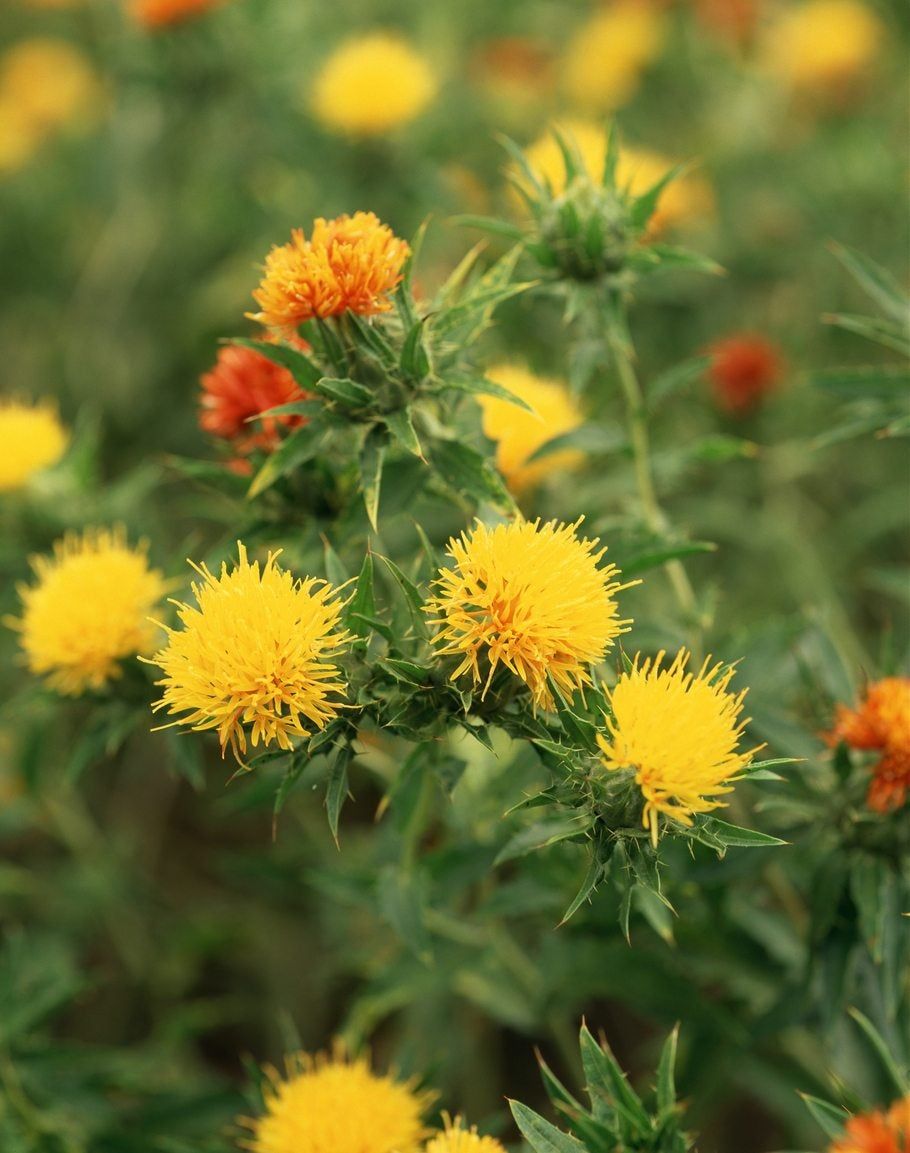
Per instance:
{"type": "Point", "coordinates": [163, 13]}
{"type": "Point", "coordinates": [880, 722]}
{"type": "Point", "coordinates": [241, 384]}
{"type": "Point", "coordinates": [744, 369]}
{"type": "Point", "coordinates": [350, 264]}
{"type": "Point", "coordinates": [877, 1132]}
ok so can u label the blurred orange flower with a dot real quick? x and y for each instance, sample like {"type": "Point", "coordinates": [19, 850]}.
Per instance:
{"type": "Point", "coordinates": [744, 368]}
{"type": "Point", "coordinates": [350, 264]}
{"type": "Point", "coordinates": [877, 1132]}
{"type": "Point", "coordinates": [880, 722]}
{"type": "Point", "coordinates": [241, 384]}
{"type": "Point", "coordinates": [163, 13]}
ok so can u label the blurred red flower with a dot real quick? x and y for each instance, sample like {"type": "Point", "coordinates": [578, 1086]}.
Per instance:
{"type": "Point", "coordinates": [881, 721]}
{"type": "Point", "coordinates": [744, 368]}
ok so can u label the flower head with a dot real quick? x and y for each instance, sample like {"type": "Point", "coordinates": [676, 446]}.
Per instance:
{"type": "Point", "coordinates": [744, 369]}
{"type": "Point", "coordinates": [456, 1139]}
{"type": "Point", "coordinates": [680, 732]}
{"type": "Point", "coordinates": [519, 433]}
{"type": "Point", "coordinates": [880, 722]}
{"type": "Point", "coordinates": [609, 52]}
{"type": "Point", "coordinates": [242, 384]}
{"type": "Point", "coordinates": [164, 13]}
{"type": "Point", "coordinates": [372, 84]}
{"type": "Point", "coordinates": [823, 44]}
{"type": "Point", "coordinates": [32, 438]}
{"type": "Point", "coordinates": [350, 264]}
{"type": "Point", "coordinates": [329, 1105]}
{"type": "Point", "coordinates": [877, 1132]}
{"type": "Point", "coordinates": [684, 199]}
{"type": "Point", "coordinates": [254, 657]}
{"type": "Point", "coordinates": [47, 84]}
{"type": "Point", "coordinates": [531, 597]}
{"type": "Point", "coordinates": [88, 610]}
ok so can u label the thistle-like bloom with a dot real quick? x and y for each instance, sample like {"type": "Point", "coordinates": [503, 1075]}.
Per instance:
{"type": "Point", "coordinates": [32, 437]}
{"type": "Point", "coordinates": [531, 597]}
{"type": "Point", "coordinates": [683, 200]}
{"type": "Point", "coordinates": [350, 264]}
{"type": "Point", "coordinates": [609, 52]}
{"type": "Point", "coordinates": [254, 657]}
{"type": "Point", "coordinates": [680, 732]}
{"type": "Point", "coordinates": [877, 1132]}
{"type": "Point", "coordinates": [881, 722]}
{"type": "Point", "coordinates": [372, 84]}
{"type": "Point", "coordinates": [88, 610]}
{"type": "Point", "coordinates": [519, 433]}
{"type": "Point", "coordinates": [47, 84]}
{"type": "Point", "coordinates": [823, 45]}
{"type": "Point", "coordinates": [744, 369]}
{"type": "Point", "coordinates": [456, 1139]}
{"type": "Point", "coordinates": [165, 13]}
{"type": "Point", "coordinates": [242, 384]}
{"type": "Point", "coordinates": [329, 1105]}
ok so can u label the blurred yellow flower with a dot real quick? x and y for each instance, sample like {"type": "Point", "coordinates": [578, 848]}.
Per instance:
{"type": "Point", "coordinates": [329, 1105]}
{"type": "Point", "coordinates": [679, 731]}
{"type": "Point", "coordinates": [32, 437]}
{"type": "Point", "coordinates": [531, 597]}
{"type": "Point", "coordinates": [88, 610]}
{"type": "Point", "coordinates": [519, 433]}
{"type": "Point", "coordinates": [822, 44]}
{"type": "Point", "coordinates": [371, 84]}
{"type": "Point", "coordinates": [605, 59]}
{"type": "Point", "coordinates": [49, 84]}
{"type": "Point", "coordinates": [254, 655]}
{"type": "Point", "coordinates": [456, 1139]}
{"type": "Point", "coordinates": [350, 264]}
{"type": "Point", "coordinates": [687, 198]}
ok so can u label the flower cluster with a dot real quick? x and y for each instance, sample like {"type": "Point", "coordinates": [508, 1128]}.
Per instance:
{"type": "Point", "coordinates": [880, 723]}
{"type": "Point", "coordinates": [350, 264]}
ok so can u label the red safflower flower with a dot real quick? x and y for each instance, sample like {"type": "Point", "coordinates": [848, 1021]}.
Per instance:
{"type": "Point", "coordinates": [162, 13]}
{"type": "Point", "coordinates": [242, 384]}
{"type": "Point", "coordinates": [880, 722]}
{"type": "Point", "coordinates": [877, 1132]}
{"type": "Point", "coordinates": [744, 368]}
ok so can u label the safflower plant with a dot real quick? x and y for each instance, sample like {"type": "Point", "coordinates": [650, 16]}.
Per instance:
{"type": "Point", "coordinates": [409, 612]}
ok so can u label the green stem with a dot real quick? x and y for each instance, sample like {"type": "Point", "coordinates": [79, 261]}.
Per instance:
{"type": "Point", "coordinates": [654, 515]}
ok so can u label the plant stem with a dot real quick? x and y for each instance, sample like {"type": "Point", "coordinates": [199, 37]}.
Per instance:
{"type": "Point", "coordinates": [654, 515]}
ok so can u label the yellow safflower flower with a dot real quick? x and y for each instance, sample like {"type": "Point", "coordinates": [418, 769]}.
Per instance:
{"type": "Point", "coordinates": [822, 44]}
{"type": "Point", "coordinates": [603, 64]}
{"type": "Point", "coordinates": [88, 610]}
{"type": "Point", "coordinates": [531, 597]}
{"type": "Point", "coordinates": [679, 731]}
{"type": "Point", "coordinates": [685, 199]}
{"type": "Point", "coordinates": [350, 264]}
{"type": "Point", "coordinates": [456, 1139]}
{"type": "Point", "coordinates": [371, 84]}
{"type": "Point", "coordinates": [329, 1105]}
{"type": "Point", "coordinates": [49, 83]}
{"type": "Point", "coordinates": [32, 437]}
{"type": "Point", "coordinates": [254, 657]}
{"type": "Point", "coordinates": [519, 433]}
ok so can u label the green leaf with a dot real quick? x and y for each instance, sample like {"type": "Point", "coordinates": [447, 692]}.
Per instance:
{"type": "Point", "coordinates": [542, 834]}
{"type": "Point", "coordinates": [488, 224]}
{"type": "Point", "coordinates": [733, 835]}
{"type": "Point", "coordinates": [643, 206]}
{"type": "Point", "coordinates": [675, 379]}
{"type": "Point", "coordinates": [670, 258]}
{"type": "Point", "coordinates": [481, 386]}
{"type": "Point", "coordinates": [362, 604]}
{"type": "Point", "coordinates": [867, 381]}
{"type": "Point", "coordinates": [401, 904]}
{"type": "Point", "coordinates": [642, 562]}
{"type": "Point", "coordinates": [335, 571]}
{"type": "Point", "coordinates": [666, 1084]}
{"type": "Point", "coordinates": [831, 1118]}
{"type": "Point", "coordinates": [469, 474]}
{"type": "Point", "coordinates": [595, 439]}
{"type": "Point", "coordinates": [593, 877]}
{"type": "Point", "coordinates": [345, 392]}
{"type": "Point", "coordinates": [336, 792]}
{"type": "Point", "coordinates": [302, 445]}
{"type": "Point", "coordinates": [298, 364]}
{"type": "Point", "coordinates": [400, 425]}
{"type": "Point", "coordinates": [412, 596]}
{"type": "Point", "coordinates": [607, 1082]}
{"type": "Point", "coordinates": [875, 280]}
{"type": "Point", "coordinates": [406, 671]}
{"type": "Point", "coordinates": [540, 1134]}
{"type": "Point", "coordinates": [372, 457]}
{"type": "Point", "coordinates": [37, 977]}
{"type": "Point", "coordinates": [881, 332]}
{"type": "Point", "coordinates": [415, 360]}
{"type": "Point", "coordinates": [898, 1076]}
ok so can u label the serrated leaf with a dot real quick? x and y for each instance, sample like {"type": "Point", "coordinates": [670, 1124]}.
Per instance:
{"type": "Point", "coordinates": [594, 439]}
{"type": "Point", "coordinates": [642, 562]}
{"type": "Point", "coordinates": [733, 835]}
{"type": "Point", "coordinates": [298, 364]}
{"type": "Point", "coordinates": [540, 1134]}
{"type": "Point", "coordinates": [874, 280]}
{"type": "Point", "coordinates": [415, 360]}
{"type": "Point", "coordinates": [541, 835]}
{"type": "Point", "coordinates": [666, 1083]}
{"type": "Point", "coordinates": [372, 457]}
{"type": "Point", "coordinates": [401, 426]}
{"type": "Point", "coordinates": [344, 391]}
{"type": "Point", "coordinates": [470, 474]}
{"type": "Point", "coordinates": [830, 1117]}
{"type": "Point", "coordinates": [899, 1076]}
{"type": "Point", "coordinates": [481, 386]}
{"type": "Point", "coordinates": [643, 206]}
{"type": "Point", "coordinates": [336, 792]}
{"type": "Point", "coordinates": [592, 879]}
{"type": "Point", "coordinates": [606, 1081]}
{"type": "Point", "coordinates": [362, 604]}
{"type": "Point", "coordinates": [881, 332]}
{"type": "Point", "coordinates": [302, 445]}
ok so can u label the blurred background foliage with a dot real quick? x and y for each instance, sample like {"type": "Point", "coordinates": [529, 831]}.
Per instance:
{"type": "Point", "coordinates": [155, 933]}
